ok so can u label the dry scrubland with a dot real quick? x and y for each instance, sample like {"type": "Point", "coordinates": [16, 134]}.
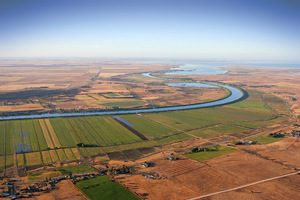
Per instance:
{"type": "Point", "coordinates": [190, 179]}
{"type": "Point", "coordinates": [39, 148]}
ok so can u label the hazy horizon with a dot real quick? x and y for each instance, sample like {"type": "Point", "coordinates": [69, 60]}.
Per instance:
{"type": "Point", "coordinates": [264, 30]}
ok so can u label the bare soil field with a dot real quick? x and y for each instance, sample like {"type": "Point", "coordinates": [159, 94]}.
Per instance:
{"type": "Point", "coordinates": [286, 151]}
{"type": "Point", "coordinates": [24, 107]}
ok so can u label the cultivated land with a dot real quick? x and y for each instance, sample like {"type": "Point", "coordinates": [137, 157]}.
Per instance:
{"type": "Point", "coordinates": [41, 148]}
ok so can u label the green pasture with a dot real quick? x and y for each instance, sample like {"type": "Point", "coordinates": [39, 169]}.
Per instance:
{"type": "Point", "coordinates": [40, 175]}
{"type": "Point", "coordinates": [206, 155]}
{"type": "Point", "coordinates": [2, 138]}
{"type": "Point", "coordinates": [265, 139]}
{"type": "Point", "coordinates": [102, 187]}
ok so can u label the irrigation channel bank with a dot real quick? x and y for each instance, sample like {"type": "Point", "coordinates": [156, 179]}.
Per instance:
{"type": "Point", "coordinates": [236, 94]}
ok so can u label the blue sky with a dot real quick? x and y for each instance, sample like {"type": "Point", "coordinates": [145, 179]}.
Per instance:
{"type": "Point", "coordinates": [181, 29]}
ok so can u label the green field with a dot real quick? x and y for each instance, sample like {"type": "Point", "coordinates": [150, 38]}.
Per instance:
{"type": "Point", "coordinates": [102, 187]}
{"type": "Point", "coordinates": [40, 175]}
{"type": "Point", "coordinates": [149, 128]}
{"type": "Point", "coordinates": [218, 130]}
{"type": "Point", "coordinates": [265, 139]}
{"type": "Point", "coordinates": [206, 155]}
{"type": "Point", "coordinates": [102, 134]}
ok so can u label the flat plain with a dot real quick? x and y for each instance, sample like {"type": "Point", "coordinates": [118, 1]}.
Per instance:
{"type": "Point", "coordinates": [37, 147]}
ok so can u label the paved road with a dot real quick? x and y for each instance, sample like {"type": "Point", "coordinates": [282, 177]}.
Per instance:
{"type": "Point", "coordinates": [243, 186]}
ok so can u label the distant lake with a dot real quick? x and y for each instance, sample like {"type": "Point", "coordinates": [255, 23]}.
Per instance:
{"type": "Point", "coordinates": [191, 85]}
{"type": "Point", "coordinates": [210, 68]}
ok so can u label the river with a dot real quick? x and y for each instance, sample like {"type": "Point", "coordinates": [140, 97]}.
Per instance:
{"type": "Point", "coordinates": [235, 95]}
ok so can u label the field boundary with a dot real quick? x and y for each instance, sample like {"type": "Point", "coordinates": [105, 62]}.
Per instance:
{"type": "Point", "coordinates": [140, 135]}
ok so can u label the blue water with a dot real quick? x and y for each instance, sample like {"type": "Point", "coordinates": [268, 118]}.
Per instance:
{"type": "Point", "coordinates": [195, 69]}
{"type": "Point", "coordinates": [150, 76]}
{"type": "Point", "coordinates": [123, 120]}
{"type": "Point", "coordinates": [287, 65]}
{"type": "Point", "coordinates": [202, 85]}
{"type": "Point", "coordinates": [211, 68]}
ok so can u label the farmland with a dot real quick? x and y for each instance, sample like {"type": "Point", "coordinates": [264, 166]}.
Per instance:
{"type": "Point", "coordinates": [56, 140]}
{"type": "Point", "coordinates": [52, 146]}
{"type": "Point", "coordinates": [103, 187]}
{"type": "Point", "coordinates": [212, 152]}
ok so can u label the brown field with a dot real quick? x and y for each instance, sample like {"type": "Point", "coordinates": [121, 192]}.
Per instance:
{"type": "Point", "coordinates": [187, 178]}
{"type": "Point", "coordinates": [64, 190]}
{"type": "Point", "coordinates": [24, 107]}
{"type": "Point", "coordinates": [109, 75]}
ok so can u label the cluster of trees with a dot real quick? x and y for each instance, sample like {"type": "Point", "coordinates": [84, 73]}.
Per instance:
{"type": "Point", "coordinates": [42, 92]}
{"type": "Point", "coordinates": [276, 135]}
{"type": "Point", "coordinates": [120, 170]}
{"type": "Point", "coordinates": [199, 149]}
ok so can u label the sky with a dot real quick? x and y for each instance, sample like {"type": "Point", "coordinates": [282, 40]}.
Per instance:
{"type": "Point", "coordinates": [175, 29]}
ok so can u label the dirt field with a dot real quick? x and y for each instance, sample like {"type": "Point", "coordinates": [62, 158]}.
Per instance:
{"type": "Point", "coordinates": [187, 178]}
{"type": "Point", "coordinates": [65, 190]}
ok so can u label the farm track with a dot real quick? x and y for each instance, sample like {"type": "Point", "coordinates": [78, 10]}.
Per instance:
{"type": "Point", "coordinates": [140, 135]}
